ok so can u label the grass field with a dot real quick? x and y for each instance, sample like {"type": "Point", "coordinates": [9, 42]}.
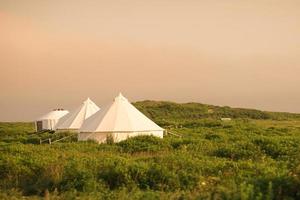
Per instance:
{"type": "Point", "coordinates": [256, 155]}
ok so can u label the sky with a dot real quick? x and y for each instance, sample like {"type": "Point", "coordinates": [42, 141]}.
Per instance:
{"type": "Point", "coordinates": [239, 53]}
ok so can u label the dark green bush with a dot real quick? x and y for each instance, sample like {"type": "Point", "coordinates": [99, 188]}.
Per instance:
{"type": "Point", "coordinates": [143, 144]}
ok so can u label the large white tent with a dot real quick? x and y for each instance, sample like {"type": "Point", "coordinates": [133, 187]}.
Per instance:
{"type": "Point", "coordinates": [49, 120]}
{"type": "Point", "coordinates": [74, 120]}
{"type": "Point", "coordinates": [119, 120]}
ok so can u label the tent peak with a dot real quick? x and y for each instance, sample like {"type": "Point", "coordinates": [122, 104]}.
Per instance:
{"type": "Point", "coordinates": [75, 119]}
{"type": "Point", "coordinates": [120, 97]}
{"type": "Point", "coordinates": [88, 100]}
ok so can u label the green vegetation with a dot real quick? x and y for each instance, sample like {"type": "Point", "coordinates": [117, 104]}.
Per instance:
{"type": "Point", "coordinates": [173, 113]}
{"type": "Point", "coordinates": [256, 155]}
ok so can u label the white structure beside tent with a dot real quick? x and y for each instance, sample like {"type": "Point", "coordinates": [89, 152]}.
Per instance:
{"type": "Point", "coordinates": [49, 120]}
{"type": "Point", "coordinates": [74, 120]}
{"type": "Point", "coordinates": [119, 120]}
{"type": "Point", "coordinates": [226, 119]}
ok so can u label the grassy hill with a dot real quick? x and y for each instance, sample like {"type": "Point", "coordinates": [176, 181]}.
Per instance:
{"type": "Point", "coordinates": [161, 110]}
{"type": "Point", "coordinates": [256, 155]}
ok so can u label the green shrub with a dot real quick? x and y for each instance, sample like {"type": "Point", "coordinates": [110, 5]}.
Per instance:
{"type": "Point", "coordinates": [143, 144]}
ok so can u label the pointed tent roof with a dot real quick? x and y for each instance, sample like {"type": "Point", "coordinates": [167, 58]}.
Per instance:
{"type": "Point", "coordinates": [119, 116]}
{"type": "Point", "coordinates": [75, 119]}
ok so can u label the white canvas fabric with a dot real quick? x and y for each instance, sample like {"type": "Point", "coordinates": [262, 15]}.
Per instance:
{"type": "Point", "coordinates": [121, 120]}
{"type": "Point", "coordinates": [50, 119]}
{"type": "Point", "coordinates": [74, 120]}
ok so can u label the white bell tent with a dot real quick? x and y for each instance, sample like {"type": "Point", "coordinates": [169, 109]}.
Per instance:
{"type": "Point", "coordinates": [74, 120]}
{"type": "Point", "coordinates": [120, 120]}
{"type": "Point", "coordinates": [49, 120]}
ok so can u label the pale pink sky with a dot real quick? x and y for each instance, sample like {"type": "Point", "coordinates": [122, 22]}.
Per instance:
{"type": "Point", "coordinates": [55, 53]}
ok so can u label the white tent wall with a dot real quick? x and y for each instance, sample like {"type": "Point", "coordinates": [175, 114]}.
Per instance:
{"type": "Point", "coordinates": [49, 123]}
{"type": "Point", "coordinates": [118, 137]}
{"type": "Point", "coordinates": [101, 137]}
{"type": "Point", "coordinates": [66, 130]}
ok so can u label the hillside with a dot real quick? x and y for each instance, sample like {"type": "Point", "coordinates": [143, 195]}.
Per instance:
{"type": "Point", "coordinates": [175, 113]}
{"type": "Point", "coordinates": [168, 109]}
{"type": "Point", "coordinates": [256, 155]}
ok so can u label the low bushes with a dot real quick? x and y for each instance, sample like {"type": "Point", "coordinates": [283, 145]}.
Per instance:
{"type": "Point", "coordinates": [143, 144]}
{"type": "Point", "coordinates": [244, 160]}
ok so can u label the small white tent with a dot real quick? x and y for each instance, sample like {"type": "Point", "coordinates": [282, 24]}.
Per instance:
{"type": "Point", "coordinates": [49, 120]}
{"type": "Point", "coordinates": [120, 120]}
{"type": "Point", "coordinates": [74, 120]}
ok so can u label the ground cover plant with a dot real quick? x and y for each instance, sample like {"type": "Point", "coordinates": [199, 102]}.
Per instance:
{"type": "Point", "coordinates": [256, 155]}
